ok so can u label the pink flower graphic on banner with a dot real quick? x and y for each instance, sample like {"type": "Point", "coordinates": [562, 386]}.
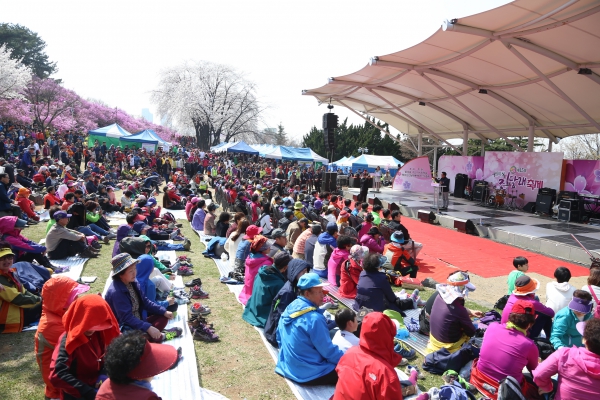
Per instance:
{"type": "Point", "coordinates": [406, 185]}
{"type": "Point", "coordinates": [469, 166]}
{"type": "Point", "coordinates": [597, 175]}
{"type": "Point", "coordinates": [578, 185]}
{"type": "Point", "coordinates": [479, 174]}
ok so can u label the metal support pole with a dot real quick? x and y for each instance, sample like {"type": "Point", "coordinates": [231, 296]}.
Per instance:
{"type": "Point", "coordinates": [465, 142]}
{"type": "Point", "coordinates": [549, 146]}
{"type": "Point", "coordinates": [435, 161]}
{"type": "Point", "coordinates": [420, 144]}
{"type": "Point", "coordinates": [482, 148]}
{"type": "Point", "coordinates": [530, 138]}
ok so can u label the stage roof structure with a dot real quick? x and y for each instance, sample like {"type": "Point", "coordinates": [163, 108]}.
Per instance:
{"type": "Point", "coordinates": [528, 68]}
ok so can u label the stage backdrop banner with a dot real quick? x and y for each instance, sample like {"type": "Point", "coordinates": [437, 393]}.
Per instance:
{"type": "Point", "coordinates": [453, 165]}
{"type": "Point", "coordinates": [522, 174]}
{"type": "Point", "coordinates": [414, 176]}
{"type": "Point", "coordinates": [582, 176]}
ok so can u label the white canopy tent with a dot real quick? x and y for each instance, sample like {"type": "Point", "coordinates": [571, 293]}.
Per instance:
{"type": "Point", "coordinates": [223, 148]}
{"type": "Point", "coordinates": [528, 68]}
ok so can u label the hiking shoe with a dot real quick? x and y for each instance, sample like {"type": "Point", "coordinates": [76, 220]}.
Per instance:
{"type": "Point", "coordinates": [403, 362]}
{"type": "Point", "coordinates": [194, 282]}
{"type": "Point", "coordinates": [105, 239]}
{"type": "Point", "coordinates": [415, 295]}
{"type": "Point", "coordinates": [183, 258]}
{"type": "Point", "coordinates": [185, 271]}
{"type": "Point", "coordinates": [173, 234]}
{"type": "Point", "coordinates": [409, 368]}
{"type": "Point", "coordinates": [204, 334]}
{"type": "Point", "coordinates": [88, 253]}
{"type": "Point", "coordinates": [185, 264]}
{"type": "Point", "coordinates": [428, 282]}
{"type": "Point", "coordinates": [111, 236]}
{"type": "Point", "coordinates": [197, 293]}
{"type": "Point", "coordinates": [405, 351]}
{"type": "Point", "coordinates": [178, 238]}
{"type": "Point", "coordinates": [187, 244]}
{"type": "Point", "coordinates": [172, 333]}
{"type": "Point", "coordinates": [96, 245]}
{"type": "Point", "coordinates": [197, 320]}
{"type": "Point", "coordinates": [198, 308]}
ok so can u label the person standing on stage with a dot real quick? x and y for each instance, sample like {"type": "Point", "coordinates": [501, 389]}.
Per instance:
{"type": "Point", "coordinates": [445, 185]}
{"type": "Point", "coordinates": [377, 179]}
{"type": "Point", "coordinates": [364, 186]}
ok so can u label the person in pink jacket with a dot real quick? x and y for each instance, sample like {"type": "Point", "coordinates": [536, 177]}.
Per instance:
{"type": "Point", "coordinates": [258, 257]}
{"type": "Point", "coordinates": [373, 240]}
{"type": "Point", "coordinates": [578, 368]}
{"type": "Point", "coordinates": [338, 257]}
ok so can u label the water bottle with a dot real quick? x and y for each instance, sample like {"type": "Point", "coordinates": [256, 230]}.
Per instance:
{"type": "Point", "coordinates": [224, 257]}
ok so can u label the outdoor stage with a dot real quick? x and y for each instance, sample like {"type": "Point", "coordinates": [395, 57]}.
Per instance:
{"type": "Point", "coordinates": [539, 234]}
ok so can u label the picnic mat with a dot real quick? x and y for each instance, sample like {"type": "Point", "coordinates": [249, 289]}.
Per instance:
{"type": "Point", "coordinates": [415, 340]}
{"type": "Point", "coordinates": [481, 256]}
{"type": "Point", "coordinates": [75, 264]}
{"type": "Point", "coordinates": [178, 214]}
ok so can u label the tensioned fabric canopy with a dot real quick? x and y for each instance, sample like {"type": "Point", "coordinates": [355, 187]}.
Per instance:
{"type": "Point", "coordinates": [529, 67]}
{"type": "Point", "coordinates": [241, 147]}
{"type": "Point", "coordinates": [114, 130]}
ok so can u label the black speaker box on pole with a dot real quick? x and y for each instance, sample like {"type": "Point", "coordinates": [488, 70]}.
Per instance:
{"type": "Point", "coordinates": [529, 207]}
{"type": "Point", "coordinates": [460, 183]}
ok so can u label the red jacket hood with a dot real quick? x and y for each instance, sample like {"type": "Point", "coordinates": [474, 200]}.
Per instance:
{"type": "Point", "coordinates": [56, 292]}
{"type": "Point", "coordinates": [377, 338]}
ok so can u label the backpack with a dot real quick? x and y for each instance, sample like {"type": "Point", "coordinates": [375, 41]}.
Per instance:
{"type": "Point", "coordinates": [169, 217]}
{"type": "Point", "coordinates": [509, 389]}
{"type": "Point", "coordinates": [544, 346]}
{"type": "Point", "coordinates": [501, 303]}
{"type": "Point", "coordinates": [423, 323]}
{"type": "Point", "coordinates": [454, 392]}
{"type": "Point", "coordinates": [597, 312]}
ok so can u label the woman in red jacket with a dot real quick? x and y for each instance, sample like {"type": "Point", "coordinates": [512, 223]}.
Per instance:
{"type": "Point", "coordinates": [27, 205]}
{"type": "Point", "coordinates": [351, 271]}
{"type": "Point", "coordinates": [50, 199]}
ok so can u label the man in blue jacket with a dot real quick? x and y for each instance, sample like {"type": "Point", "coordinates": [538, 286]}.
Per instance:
{"type": "Point", "coordinates": [306, 353]}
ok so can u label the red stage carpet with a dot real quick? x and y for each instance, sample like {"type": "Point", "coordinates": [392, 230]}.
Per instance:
{"type": "Point", "coordinates": [483, 257]}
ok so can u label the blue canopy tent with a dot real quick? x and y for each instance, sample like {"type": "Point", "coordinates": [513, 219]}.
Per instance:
{"type": "Point", "coordinates": [242, 147]}
{"type": "Point", "coordinates": [145, 139]}
{"type": "Point", "coordinates": [369, 162]}
{"type": "Point", "coordinates": [110, 134]}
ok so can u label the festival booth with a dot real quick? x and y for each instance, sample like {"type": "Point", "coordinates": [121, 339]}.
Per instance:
{"type": "Point", "coordinates": [263, 149]}
{"type": "Point", "coordinates": [370, 162]}
{"type": "Point", "coordinates": [146, 139]}
{"type": "Point", "coordinates": [222, 147]}
{"type": "Point", "coordinates": [243, 148]}
{"type": "Point", "coordinates": [110, 134]}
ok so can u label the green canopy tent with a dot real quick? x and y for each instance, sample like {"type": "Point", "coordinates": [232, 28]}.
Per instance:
{"type": "Point", "coordinates": [110, 134]}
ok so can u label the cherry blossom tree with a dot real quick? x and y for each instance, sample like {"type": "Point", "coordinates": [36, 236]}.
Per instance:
{"type": "Point", "coordinates": [13, 75]}
{"type": "Point", "coordinates": [51, 104]}
{"type": "Point", "coordinates": [214, 100]}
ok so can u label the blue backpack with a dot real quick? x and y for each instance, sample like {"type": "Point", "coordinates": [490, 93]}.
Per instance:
{"type": "Point", "coordinates": [455, 392]}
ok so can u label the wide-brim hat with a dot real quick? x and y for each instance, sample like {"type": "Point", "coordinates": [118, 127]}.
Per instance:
{"type": "Point", "coordinates": [298, 205]}
{"type": "Point", "coordinates": [525, 285]}
{"type": "Point", "coordinates": [121, 262]}
{"type": "Point", "coordinates": [156, 359]}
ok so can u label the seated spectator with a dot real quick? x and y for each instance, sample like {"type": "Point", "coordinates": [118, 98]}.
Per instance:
{"type": "Point", "coordinates": [50, 199]}
{"type": "Point", "coordinates": [338, 257]}
{"type": "Point", "coordinates": [23, 180]}
{"type": "Point", "coordinates": [129, 303]}
{"type": "Point", "coordinates": [330, 215]}
{"type": "Point", "coordinates": [346, 321]}
{"type": "Point", "coordinates": [234, 240]}
{"type": "Point", "coordinates": [311, 241]}
{"type": "Point", "coordinates": [237, 217]}
{"type": "Point", "coordinates": [373, 240]}
{"type": "Point", "coordinates": [366, 226]}
{"type": "Point", "coordinates": [285, 296]}
{"type": "Point", "coordinates": [58, 293]}
{"type": "Point", "coordinates": [27, 205]}
{"type": "Point", "coordinates": [374, 290]}
{"type": "Point", "coordinates": [593, 285]}
{"type": "Point", "coordinates": [95, 215]}
{"type": "Point", "coordinates": [188, 208]}
{"type": "Point", "coordinates": [171, 200]}
{"type": "Point", "coordinates": [69, 201]}
{"type": "Point", "coordinates": [367, 370]}
{"type": "Point", "coordinates": [126, 201]}
{"type": "Point", "coordinates": [564, 328]}
{"type": "Point", "coordinates": [19, 307]}
{"type": "Point", "coordinates": [351, 269]}
{"type": "Point", "coordinates": [326, 242]}
{"type": "Point", "coordinates": [138, 246]}
{"type": "Point", "coordinates": [243, 249]}
{"type": "Point", "coordinates": [306, 353]}
{"type": "Point", "coordinates": [5, 201]}
{"type": "Point", "coordinates": [210, 228]}
{"type": "Point", "coordinates": [294, 230]}
{"type": "Point", "coordinates": [223, 224]}
{"type": "Point", "coordinates": [578, 368]}
{"type": "Point", "coordinates": [265, 220]}
{"type": "Point", "coordinates": [450, 322]}
{"type": "Point", "coordinates": [268, 282]}
{"type": "Point", "coordinates": [288, 217]}
{"type": "Point", "coordinates": [76, 367]}
{"type": "Point", "coordinates": [25, 249]}
{"type": "Point", "coordinates": [410, 245]}
{"type": "Point", "coordinates": [123, 231]}
{"type": "Point", "coordinates": [150, 280]}
{"type": "Point", "coordinates": [376, 217]}
{"type": "Point", "coordinates": [400, 259]}
{"type": "Point", "coordinates": [131, 363]}
{"type": "Point", "coordinates": [559, 292]}
{"type": "Point", "coordinates": [364, 210]}
{"type": "Point", "coordinates": [258, 257]}
{"type": "Point", "coordinates": [199, 216]}
{"type": "Point", "coordinates": [525, 288]}
{"type": "Point", "coordinates": [279, 241]}
{"type": "Point", "coordinates": [78, 222]}
{"type": "Point", "coordinates": [300, 244]}
{"type": "Point", "coordinates": [521, 265]}
{"type": "Point", "coordinates": [506, 350]}
{"type": "Point", "coordinates": [62, 242]}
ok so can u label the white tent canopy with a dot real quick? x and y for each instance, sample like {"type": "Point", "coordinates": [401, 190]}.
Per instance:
{"type": "Point", "coordinates": [528, 68]}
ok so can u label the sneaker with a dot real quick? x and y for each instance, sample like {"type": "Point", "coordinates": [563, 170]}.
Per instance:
{"type": "Point", "coordinates": [198, 308]}
{"type": "Point", "coordinates": [197, 320]}
{"type": "Point", "coordinates": [183, 258]}
{"type": "Point", "coordinates": [178, 238]}
{"type": "Point", "coordinates": [96, 245]}
{"type": "Point", "coordinates": [421, 303]}
{"type": "Point", "coordinates": [61, 269]}
{"type": "Point", "coordinates": [409, 368]}
{"type": "Point", "coordinates": [194, 282]}
{"type": "Point", "coordinates": [111, 236]}
{"type": "Point", "coordinates": [403, 362]}
{"type": "Point", "coordinates": [405, 351]}
{"type": "Point", "coordinates": [203, 334]}
{"type": "Point", "coordinates": [185, 264]}
{"type": "Point", "coordinates": [327, 299]}
{"type": "Point", "coordinates": [172, 333]}
{"type": "Point", "coordinates": [415, 295]}
{"type": "Point", "coordinates": [88, 253]}
{"type": "Point", "coordinates": [105, 239]}
{"type": "Point", "coordinates": [174, 234]}
{"type": "Point", "coordinates": [187, 244]}
{"type": "Point", "coordinates": [197, 293]}
{"type": "Point", "coordinates": [185, 271]}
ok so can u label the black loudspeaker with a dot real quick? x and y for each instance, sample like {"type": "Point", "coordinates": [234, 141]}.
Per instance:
{"type": "Point", "coordinates": [568, 215]}
{"type": "Point", "coordinates": [478, 192]}
{"type": "Point", "coordinates": [543, 203]}
{"type": "Point", "coordinates": [460, 183]}
{"type": "Point", "coordinates": [329, 181]}
{"type": "Point", "coordinates": [529, 207]}
{"type": "Point", "coordinates": [570, 205]}
{"type": "Point", "coordinates": [566, 195]}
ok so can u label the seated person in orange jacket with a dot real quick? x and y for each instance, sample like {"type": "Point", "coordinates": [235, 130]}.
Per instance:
{"type": "Point", "coordinates": [398, 257]}
{"type": "Point", "coordinates": [27, 205]}
{"type": "Point", "coordinates": [51, 199]}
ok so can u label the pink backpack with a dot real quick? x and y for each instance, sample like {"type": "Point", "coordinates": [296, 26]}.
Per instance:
{"type": "Point", "coordinates": [597, 312]}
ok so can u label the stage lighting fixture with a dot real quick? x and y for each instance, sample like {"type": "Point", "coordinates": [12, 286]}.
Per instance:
{"type": "Point", "coordinates": [482, 91]}
{"type": "Point", "coordinates": [584, 71]}
{"type": "Point", "coordinates": [421, 103]}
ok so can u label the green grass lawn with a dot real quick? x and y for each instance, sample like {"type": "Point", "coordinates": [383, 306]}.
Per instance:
{"type": "Point", "coordinates": [238, 366]}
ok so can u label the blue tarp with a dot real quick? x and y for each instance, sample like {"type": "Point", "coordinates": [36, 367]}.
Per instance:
{"type": "Point", "coordinates": [242, 147]}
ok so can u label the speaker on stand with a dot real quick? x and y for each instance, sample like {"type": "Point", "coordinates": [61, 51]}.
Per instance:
{"type": "Point", "coordinates": [460, 183]}
{"type": "Point", "coordinates": [330, 182]}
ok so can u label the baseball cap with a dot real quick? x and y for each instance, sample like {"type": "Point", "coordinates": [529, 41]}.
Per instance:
{"type": "Point", "coordinates": [310, 280]}
{"type": "Point", "coordinates": [139, 226]}
{"type": "Point", "coordinates": [252, 231]}
{"type": "Point", "coordinates": [60, 215]}
{"type": "Point", "coordinates": [277, 233]}
{"type": "Point", "coordinates": [523, 307]}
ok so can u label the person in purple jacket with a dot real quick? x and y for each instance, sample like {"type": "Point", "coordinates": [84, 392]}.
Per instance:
{"type": "Point", "coordinates": [129, 303]}
{"type": "Point", "coordinates": [525, 288]}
